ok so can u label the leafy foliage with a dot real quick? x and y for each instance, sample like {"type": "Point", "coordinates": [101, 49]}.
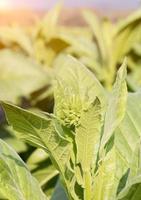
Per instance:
{"type": "Point", "coordinates": [20, 76]}
{"type": "Point", "coordinates": [88, 143]}
{"type": "Point", "coordinates": [16, 181]}
{"type": "Point", "coordinates": [86, 155]}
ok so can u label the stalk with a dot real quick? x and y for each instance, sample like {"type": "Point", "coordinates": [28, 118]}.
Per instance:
{"type": "Point", "coordinates": [87, 190]}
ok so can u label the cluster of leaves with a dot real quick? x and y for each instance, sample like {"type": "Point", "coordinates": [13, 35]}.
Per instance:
{"type": "Point", "coordinates": [34, 52]}
{"type": "Point", "coordinates": [91, 136]}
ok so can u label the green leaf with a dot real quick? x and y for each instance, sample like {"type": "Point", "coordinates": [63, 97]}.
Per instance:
{"type": "Point", "coordinates": [132, 191]}
{"type": "Point", "coordinates": [133, 185]}
{"type": "Point", "coordinates": [127, 138]}
{"type": "Point", "coordinates": [20, 76]}
{"type": "Point", "coordinates": [96, 26]}
{"type": "Point", "coordinates": [110, 172]}
{"type": "Point", "coordinates": [16, 181]}
{"type": "Point", "coordinates": [87, 143]}
{"type": "Point", "coordinates": [43, 170]}
{"type": "Point", "coordinates": [116, 106]}
{"type": "Point", "coordinates": [76, 86]}
{"type": "Point", "coordinates": [16, 36]}
{"type": "Point", "coordinates": [103, 182]}
{"type": "Point", "coordinates": [133, 18]}
{"type": "Point", "coordinates": [38, 156]}
{"type": "Point", "coordinates": [88, 136]}
{"type": "Point", "coordinates": [80, 47]}
{"type": "Point", "coordinates": [128, 32]}
{"type": "Point", "coordinates": [41, 167]}
{"type": "Point", "coordinates": [48, 26]}
{"type": "Point", "coordinates": [128, 133]}
{"type": "Point", "coordinates": [7, 134]}
{"type": "Point", "coordinates": [40, 131]}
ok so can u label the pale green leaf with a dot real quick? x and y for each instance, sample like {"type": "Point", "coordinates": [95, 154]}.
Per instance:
{"type": "Point", "coordinates": [39, 155]}
{"type": "Point", "coordinates": [73, 75]}
{"type": "Point", "coordinates": [7, 134]}
{"type": "Point", "coordinates": [88, 136]}
{"type": "Point", "coordinates": [48, 26]}
{"type": "Point", "coordinates": [16, 37]}
{"type": "Point", "coordinates": [39, 163]}
{"type": "Point", "coordinates": [19, 76]}
{"type": "Point", "coordinates": [43, 170]}
{"type": "Point", "coordinates": [133, 185]}
{"type": "Point", "coordinates": [129, 131]}
{"type": "Point", "coordinates": [40, 130]}
{"type": "Point", "coordinates": [116, 106]}
{"type": "Point", "coordinates": [127, 138]}
{"type": "Point", "coordinates": [103, 181]}
{"type": "Point", "coordinates": [16, 181]}
{"type": "Point", "coordinates": [131, 19]}
{"type": "Point", "coordinates": [128, 32]}
{"type": "Point", "coordinates": [96, 26]}
{"type": "Point", "coordinates": [87, 143]}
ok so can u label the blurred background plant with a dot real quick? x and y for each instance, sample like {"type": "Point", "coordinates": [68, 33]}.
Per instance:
{"type": "Point", "coordinates": [30, 59]}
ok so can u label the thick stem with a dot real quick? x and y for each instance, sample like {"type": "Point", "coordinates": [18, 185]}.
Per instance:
{"type": "Point", "coordinates": [87, 190]}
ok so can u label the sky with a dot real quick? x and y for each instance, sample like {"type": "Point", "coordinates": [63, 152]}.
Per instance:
{"type": "Point", "coordinates": [44, 4]}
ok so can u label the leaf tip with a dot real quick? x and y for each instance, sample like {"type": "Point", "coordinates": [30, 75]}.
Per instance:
{"type": "Point", "coordinates": [122, 72]}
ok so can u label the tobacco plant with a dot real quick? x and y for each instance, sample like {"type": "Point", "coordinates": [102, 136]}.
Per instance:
{"type": "Point", "coordinates": [32, 52]}
{"type": "Point", "coordinates": [31, 58]}
{"type": "Point", "coordinates": [92, 137]}
{"type": "Point", "coordinates": [114, 41]}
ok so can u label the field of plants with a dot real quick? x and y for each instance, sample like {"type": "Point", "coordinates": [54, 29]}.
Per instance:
{"type": "Point", "coordinates": [70, 116]}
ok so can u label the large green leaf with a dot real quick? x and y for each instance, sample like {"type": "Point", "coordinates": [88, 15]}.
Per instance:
{"type": "Point", "coordinates": [127, 31]}
{"type": "Point", "coordinates": [104, 180]}
{"type": "Point", "coordinates": [133, 185]}
{"type": "Point", "coordinates": [76, 79]}
{"type": "Point", "coordinates": [109, 173]}
{"type": "Point", "coordinates": [88, 136]}
{"type": "Point", "coordinates": [19, 76]}
{"type": "Point", "coordinates": [127, 142]}
{"type": "Point", "coordinates": [16, 181]}
{"type": "Point", "coordinates": [116, 106]}
{"type": "Point", "coordinates": [40, 131]}
{"type": "Point", "coordinates": [129, 131]}
{"type": "Point", "coordinates": [96, 26]}
{"type": "Point", "coordinates": [109, 38]}
{"type": "Point", "coordinates": [87, 142]}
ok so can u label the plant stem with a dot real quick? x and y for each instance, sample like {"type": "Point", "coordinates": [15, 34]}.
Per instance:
{"type": "Point", "coordinates": [87, 190]}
